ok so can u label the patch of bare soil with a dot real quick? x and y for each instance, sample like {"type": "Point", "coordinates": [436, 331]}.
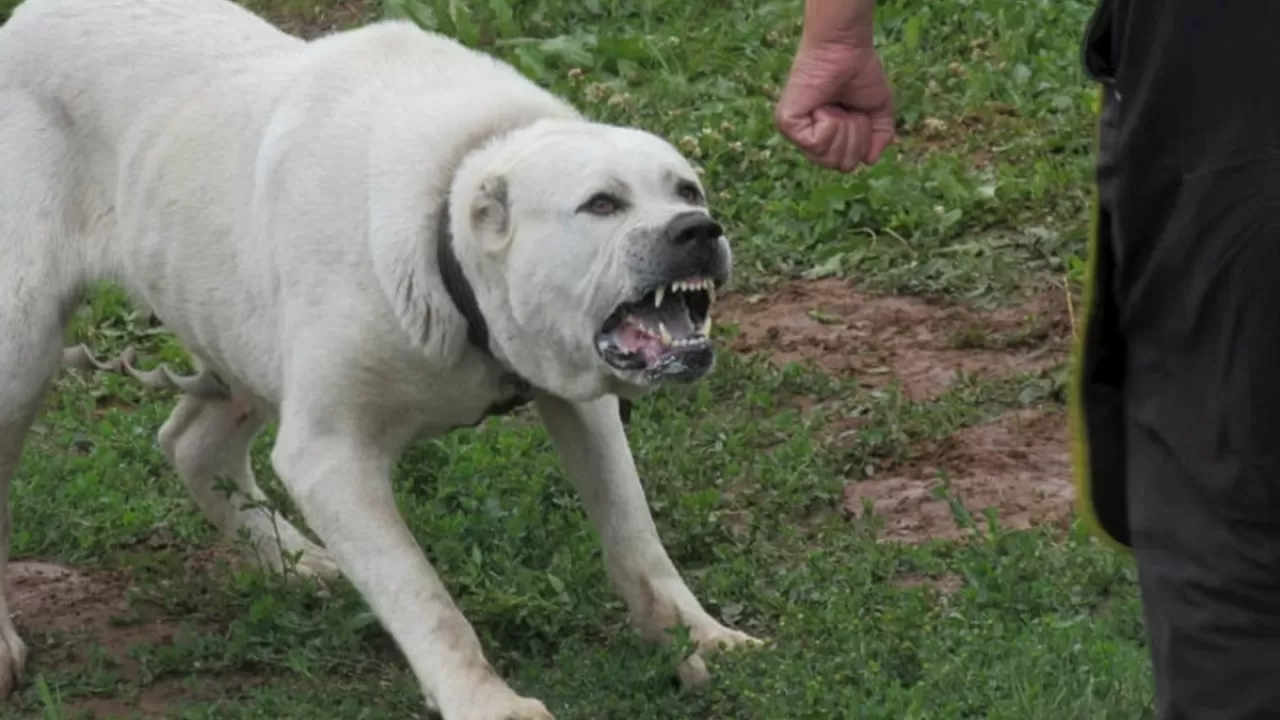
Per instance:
{"type": "Point", "coordinates": [880, 338]}
{"type": "Point", "coordinates": [1019, 465]}
{"type": "Point", "coordinates": [48, 598]}
{"type": "Point", "coordinates": [59, 610]}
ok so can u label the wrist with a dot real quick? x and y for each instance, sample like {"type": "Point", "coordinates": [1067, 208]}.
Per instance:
{"type": "Point", "coordinates": [839, 22]}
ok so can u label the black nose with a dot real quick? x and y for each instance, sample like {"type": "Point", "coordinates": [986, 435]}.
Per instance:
{"type": "Point", "coordinates": [693, 228]}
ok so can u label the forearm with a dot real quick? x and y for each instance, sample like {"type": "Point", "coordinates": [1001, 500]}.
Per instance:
{"type": "Point", "coordinates": [847, 22]}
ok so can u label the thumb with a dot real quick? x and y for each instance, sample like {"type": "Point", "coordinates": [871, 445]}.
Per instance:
{"type": "Point", "coordinates": [811, 131]}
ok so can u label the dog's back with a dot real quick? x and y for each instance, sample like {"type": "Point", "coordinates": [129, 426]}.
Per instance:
{"type": "Point", "coordinates": [99, 59]}
{"type": "Point", "coordinates": [73, 75]}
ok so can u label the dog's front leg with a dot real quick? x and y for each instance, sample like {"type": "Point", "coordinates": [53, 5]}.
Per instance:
{"type": "Point", "coordinates": [342, 486]}
{"type": "Point", "coordinates": [593, 446]}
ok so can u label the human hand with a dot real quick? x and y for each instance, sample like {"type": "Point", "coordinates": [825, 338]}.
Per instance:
{"type": "Point", "coordinates": [837, 107]}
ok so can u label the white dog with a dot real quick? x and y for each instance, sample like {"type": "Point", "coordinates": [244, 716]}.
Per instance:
{"type": "Point", "coordinates": [369, 238]}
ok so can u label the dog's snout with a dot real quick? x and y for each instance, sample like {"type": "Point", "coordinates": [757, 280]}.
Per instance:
{"type": "Point", "coordinates": [693, 228]}
{"type": "Point", "coordinates": [694, 246]}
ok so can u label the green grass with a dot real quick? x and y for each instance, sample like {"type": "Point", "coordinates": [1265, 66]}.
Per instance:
{"type": "Point", "coordinates": [985, 196]}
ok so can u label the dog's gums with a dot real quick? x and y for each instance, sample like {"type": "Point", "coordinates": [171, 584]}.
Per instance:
{"type": "Point", "coordinates": [666, 332]}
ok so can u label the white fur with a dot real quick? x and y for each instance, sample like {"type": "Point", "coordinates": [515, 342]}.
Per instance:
{"type": "Point", "coordinates": [274, 203]}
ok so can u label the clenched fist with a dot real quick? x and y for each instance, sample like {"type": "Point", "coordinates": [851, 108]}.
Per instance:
{"type": "Point", "coordinates": [837, 107]}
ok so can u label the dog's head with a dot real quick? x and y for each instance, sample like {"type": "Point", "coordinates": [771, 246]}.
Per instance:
{"type": "Point", "coordinates": [594, 255]}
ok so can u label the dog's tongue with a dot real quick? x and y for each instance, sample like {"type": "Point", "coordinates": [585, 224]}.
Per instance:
{"type": "Point", "coordinates": [652, 330]}
{"type": "Point", "coordinates": [635, 339]}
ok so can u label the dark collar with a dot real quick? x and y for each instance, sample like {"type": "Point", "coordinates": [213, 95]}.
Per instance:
{"type": "Point", "coordinates": [458, 287]}
{"type": "Point", "coordinates": [464, 298]}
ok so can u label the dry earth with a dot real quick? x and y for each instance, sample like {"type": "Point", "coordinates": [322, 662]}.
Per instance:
{"type": "Point", "coordinates": [1019, 465]}
{"type": "Point", "coordinates": [81, 621]}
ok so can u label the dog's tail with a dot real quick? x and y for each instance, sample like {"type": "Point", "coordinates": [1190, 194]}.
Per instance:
{"type": "Point", "coordinates": [203, 384]}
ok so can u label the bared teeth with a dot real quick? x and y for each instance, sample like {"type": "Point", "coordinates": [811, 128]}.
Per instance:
{"type": "Point", "coordinates": [665, 334]}
{"type": "Point", "coordinates": [706, 326]}
{"type": "Point", "coordinates": [657, 296]}
{"type": "Point", "coordinates": [694, 284]}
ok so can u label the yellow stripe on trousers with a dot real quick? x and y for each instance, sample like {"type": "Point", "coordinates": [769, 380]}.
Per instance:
{"type": "Point", "coordinates": [1079, 434]}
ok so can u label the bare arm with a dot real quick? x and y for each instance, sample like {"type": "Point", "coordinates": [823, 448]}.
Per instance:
{"type": "Point", "coordinates": [847, 22]}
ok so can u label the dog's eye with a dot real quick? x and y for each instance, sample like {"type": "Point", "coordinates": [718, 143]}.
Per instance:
{"type": "Point", "coordinates": [689, 193]}
{"type": "Point", "coordinates": [602, 204]}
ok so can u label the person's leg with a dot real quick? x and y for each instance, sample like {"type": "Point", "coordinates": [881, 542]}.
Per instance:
{"type": "Point", "coordinates": [1203, 444]}
{"type": "Point", "coordinates": [1203, 469]}
{"type": "Point", "coordinates": [1190, 181]}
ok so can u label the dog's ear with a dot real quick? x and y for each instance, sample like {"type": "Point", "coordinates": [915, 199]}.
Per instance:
{"type": "Point", "coordinates": [490, 216]}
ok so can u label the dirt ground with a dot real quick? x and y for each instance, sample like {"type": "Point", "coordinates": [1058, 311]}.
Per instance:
{"type": "Point", "coordinates": [880, 338]}
{"type": "Point", "coordinates": [1019, 465]}
{"type": "Point", "coordinates": [68, 616]}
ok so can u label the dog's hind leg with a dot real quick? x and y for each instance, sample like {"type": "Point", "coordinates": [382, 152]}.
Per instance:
{"type": "Point", "coordinates": [29, 347]}
{"type": "Point", "coordinates": [40, 272]}
{"type": "Point", "coordinates": [208, 442]}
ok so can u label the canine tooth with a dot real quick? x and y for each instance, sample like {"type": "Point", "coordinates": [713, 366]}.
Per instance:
{"type": "Point", "coordinates": [657, 296]}
{"type": "Point", "coordinates": [666, 335]}
{"type": "Point", "coordinates": [711, 292]}
{"type": "Point", "coordinates": [706, 326]}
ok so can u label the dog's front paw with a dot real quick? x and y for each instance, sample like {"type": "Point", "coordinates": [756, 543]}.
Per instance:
{"type": "Point", "coordinates": [716, 638]}
{"type": "Point", "coordinates": [719, 637]}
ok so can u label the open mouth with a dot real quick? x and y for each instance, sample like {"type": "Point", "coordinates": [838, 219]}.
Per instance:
{"type": "Point", "coordinates": [666, 332]}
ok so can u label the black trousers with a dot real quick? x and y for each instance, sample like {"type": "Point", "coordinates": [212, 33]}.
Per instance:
{"type": "Point", "coordinates": [1176, 404]}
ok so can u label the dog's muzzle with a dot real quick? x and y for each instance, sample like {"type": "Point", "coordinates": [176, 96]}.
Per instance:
{"type": "Point", "coordinates": [694, 248]}
{"type": "Point", "coordinates": [665, 333]}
